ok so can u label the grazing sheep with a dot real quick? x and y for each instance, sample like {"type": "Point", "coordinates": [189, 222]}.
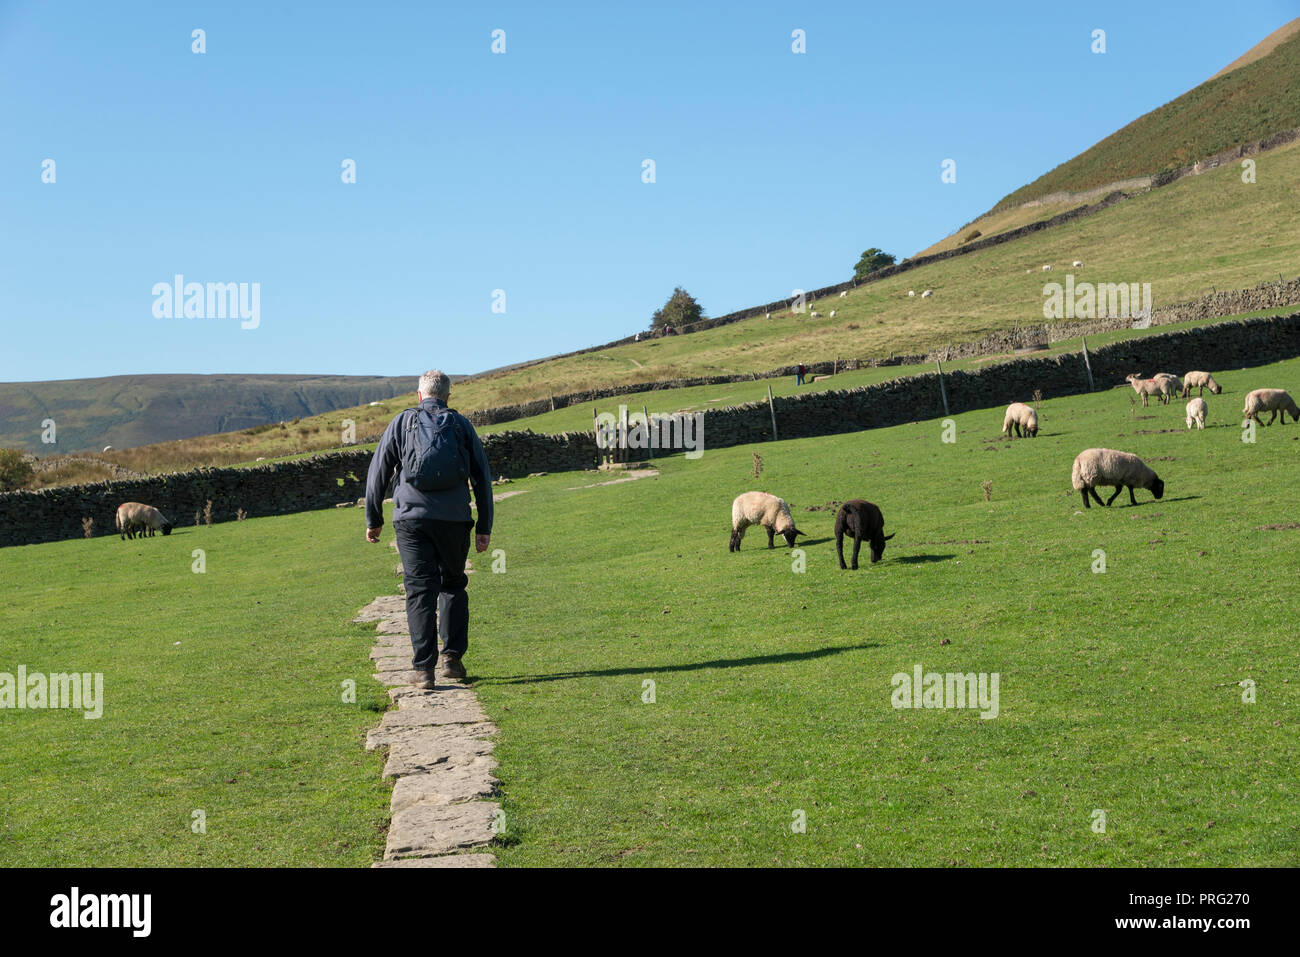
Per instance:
{"type": "Point", "coordinates": [927, 294]}
{"type": "Point", "coordinates": [1202, 381]}
{"type": "Point", "coordinates": [1270, 400]}
{"type": "Point", "coordinates": [1095, 467]}
{"type": "Point", "coordinates": [1047, 268]}
{"type": "Point", "coordinates": [861, 519]}
{"type": "Point", "coordinates": [816, 314]}
{"type": "Point", "coordinates": [843, 294]}
{"type": "Point", "coordinates": [1149, 387]}
{"type": "Point", "coordinates": [1077, 263]}
{"type": "Point", "coordinates": [1022, 418]}
{"type": "Point", "coordinates": [133, 518]}
{"type": "Point", "coordinates": [759, 508]}
{"type": "Point", "coordinates": [832, 313]}
{"type": "Point", "coordinates": [1174, 381]}
{"type": "Point", "coordinates": [911, 292]}
{"type": "Point", "coordinates": [1196, 413]}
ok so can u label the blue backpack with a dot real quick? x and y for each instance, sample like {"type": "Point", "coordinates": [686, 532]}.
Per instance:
{"type": "Point", "coordinates": [433, 456]}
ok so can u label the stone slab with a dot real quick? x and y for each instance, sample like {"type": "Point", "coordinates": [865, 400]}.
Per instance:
{"type": "Point", "coordinates": [427, 829]}
{"type": "Point", "coordinates": [453, 784]}
{"type": "Point", "coordinates": [423, 749]}
{"type": "Point", "coordinates": [442, 860]}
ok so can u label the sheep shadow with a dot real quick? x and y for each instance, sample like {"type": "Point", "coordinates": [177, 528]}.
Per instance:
{"type": "Point", "coordinates": [922, 559]}
{"type": "Point", "coordinates": [814, 541]}
{"type": "Point", "coordinates": [776, 659]}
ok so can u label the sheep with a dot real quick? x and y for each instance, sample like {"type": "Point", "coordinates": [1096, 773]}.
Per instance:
{"type": "Point", "coordinates": [843, 294]}
{"type": "Point", "coordinates": [927, 294]}
{"type": "Point", "coordinates": [760, 508]}
{"type": "Point", "coordinates": [1196, 413]}
{"type": "Point", "coordinates": [1077, 263]}
{"type": "Point", "coordinates": [1174, 381]}
{"type": "Point", "coordinates": [132, 517]}
{"type": "Point", "coordinates": [860, 519]}
{"type": "Point", "coordinates": [1270, 400]}
{"type": "Point", "coordinates": [1201, 380]}
{"type": "Point", "coordinates": [1150, 387]}
{"type": "Point", "coordinates": [816, 314]}
{"type": "Point", "coordinates": [911, 292]}
{"type": "Point", "coordinates": [1095, 467]}
{"type": "Point", "coordinates": [1047, 268]}
{"type": "Point", "coordinates": [1022, 418]}
{"type": "Point", "coordinates": [832, 313]}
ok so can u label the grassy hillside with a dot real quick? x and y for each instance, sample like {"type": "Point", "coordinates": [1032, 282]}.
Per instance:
{"type": "Point", "coordinates": [1248, 103]}
{"type": "Point", "coordinates": [138, 409]}
{"type": "Point", "coordinates": [1185, 239]}
{"type": "Point", "coordinates": [772, 687]}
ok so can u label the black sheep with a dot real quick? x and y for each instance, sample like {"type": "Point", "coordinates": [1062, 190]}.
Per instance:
{"type": "Point", "coordinates": [860, 519]}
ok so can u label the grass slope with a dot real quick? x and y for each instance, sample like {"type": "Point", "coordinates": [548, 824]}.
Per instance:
{"type": "Point", "coordinates": [223, 692]}
{"type": "Point", "coordinates": [1245, 104]}
{"type": "Point", "coordinates": [1119, 691]}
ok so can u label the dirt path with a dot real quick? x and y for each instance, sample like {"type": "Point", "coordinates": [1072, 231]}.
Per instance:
{"type": "Point", "coordinates": [631, 476]}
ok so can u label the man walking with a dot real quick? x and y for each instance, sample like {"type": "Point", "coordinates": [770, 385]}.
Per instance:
{"type": "Point", "coordinates": [439, 456]}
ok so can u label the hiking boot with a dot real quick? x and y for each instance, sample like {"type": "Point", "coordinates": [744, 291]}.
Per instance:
{"type": "Point", "coordinates": [424, 680]}
{"type": "Point", "coordinates": [452, 667]}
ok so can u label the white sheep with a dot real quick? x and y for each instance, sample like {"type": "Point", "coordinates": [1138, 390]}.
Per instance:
{"type": "Point", "coordinates": [1077, 263]}
{"type": "Point", "coordinates": [832, 313]}
{"type": "Point", "coordinates": [911, 292]}
{"type": "Point", "coordinates": [815, 314]}
{"type": "Point", "coordinates": [1149, 387]}
{"type": "Point", "coordinates": [132, 517]}
{"type": "Point", "coordinates": [1196, 410]}
{"type": "Point", "coordinates": [1095, 467]}
{"type": "Point", "coordinates": [1047, 268]}
{"type": "Point", "coordinates": [760, 508]}
{"type": "Point", "coordinates": [1202, 381]}
{"type": "Point", "coordinates": [843, 294]}
{"type": "Point", "coordinates": [1022, 418]}
{"type": "Point", "coordinates": [927, 294]}
{"type": "Point", "coordinates": [1270, 400]}
{"type": "Point", "coordinates": [1174, 380]}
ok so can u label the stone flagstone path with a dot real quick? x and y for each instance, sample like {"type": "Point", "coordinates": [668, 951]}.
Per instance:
{"type": "Point", "coordinates": [439, 753]}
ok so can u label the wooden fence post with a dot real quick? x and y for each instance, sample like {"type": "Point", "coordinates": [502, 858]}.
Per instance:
{"type": "Point", "coordinates": [1087, 366]}
{"type": "Point", "coordinates": [943, 392]}
{"type": "Point", "coordinates": [771, 408]}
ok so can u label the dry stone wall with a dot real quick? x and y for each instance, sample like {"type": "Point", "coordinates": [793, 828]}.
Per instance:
{"type": "Point", "coordinates": [325, 480]}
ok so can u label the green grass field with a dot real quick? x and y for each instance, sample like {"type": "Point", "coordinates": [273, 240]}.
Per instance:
{"type": "Point", "coordinates": [1118, 691]}
{"type": "Point", "coordinates": [222, 693]}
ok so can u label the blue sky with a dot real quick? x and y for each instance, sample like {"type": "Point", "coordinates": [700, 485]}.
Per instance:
{"type": "Point", "coordinates": [518, 171]}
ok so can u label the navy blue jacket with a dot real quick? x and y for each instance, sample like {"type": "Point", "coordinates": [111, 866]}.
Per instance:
{"type": "Point", "coordinates": [408, 501]}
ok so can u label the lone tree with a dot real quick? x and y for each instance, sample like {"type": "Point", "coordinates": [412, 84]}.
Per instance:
{"type": "Point", "coordinates": [680, 309]}
{"type": "Point", "coordinates": [872, 260]}
{"type": "Point", "coordinates": [14, 470]}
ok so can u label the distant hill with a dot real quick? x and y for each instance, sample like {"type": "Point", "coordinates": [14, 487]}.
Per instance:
{"type": "Point", "coordinates": [1255, 96]}
{"type": "Point", "coordinates": [130, 410]}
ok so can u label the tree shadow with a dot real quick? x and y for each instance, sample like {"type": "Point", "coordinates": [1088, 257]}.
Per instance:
{"type": "Point", "coordinates": [667, 669]}
{"type": "Point", "coordinates": [922, 559]}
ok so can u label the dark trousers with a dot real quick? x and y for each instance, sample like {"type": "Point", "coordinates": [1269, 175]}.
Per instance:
{"type": "Point", "coordinates": [433, 567]}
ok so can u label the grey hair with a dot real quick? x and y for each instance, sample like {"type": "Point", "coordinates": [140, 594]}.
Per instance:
{"type": "Point", "coordinates": [435, 383]}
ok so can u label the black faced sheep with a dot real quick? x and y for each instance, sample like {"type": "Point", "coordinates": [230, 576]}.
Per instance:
{"type": "Point", "coordinates": [1270, 400]}
{"type": "Point", "coordinates": [759, 508]}
{"type": "Point", "coordinates": [1022, 418]}
{"type": "Point", "coordinates": [860, 519]}
{"type": "Point", "coordinates": [132, 517]}
{"type": "Point", "coordinates": [1095, 467]}
{"type": "Point", "coordinates": [1202, 381]}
